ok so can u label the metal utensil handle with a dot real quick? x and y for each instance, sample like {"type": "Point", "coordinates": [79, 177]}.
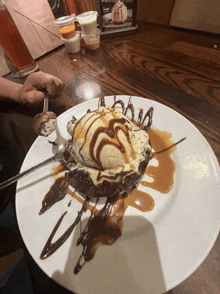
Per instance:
{"type": "Point", "coordinates": [45, 109]}
{"type": "Point", "coordinates": [25, 173]}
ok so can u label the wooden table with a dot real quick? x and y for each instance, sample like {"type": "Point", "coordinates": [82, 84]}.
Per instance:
{"type": "Point", "coordinates": [177, 68]}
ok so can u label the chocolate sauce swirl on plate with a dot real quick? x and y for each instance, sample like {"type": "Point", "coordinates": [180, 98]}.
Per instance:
{"type": "Point", "coordinates": [50, 247]}
{"type": "Point", "coordinates": [56, 193]}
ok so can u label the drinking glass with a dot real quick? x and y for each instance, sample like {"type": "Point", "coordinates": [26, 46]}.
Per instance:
{"type": "Point", "coordinates": [14, 46]}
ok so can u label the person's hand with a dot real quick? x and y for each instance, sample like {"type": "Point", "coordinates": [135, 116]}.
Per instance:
{"type": "Point", "coordinates": [31, 92]}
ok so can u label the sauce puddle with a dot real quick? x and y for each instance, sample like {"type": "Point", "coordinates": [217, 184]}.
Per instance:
{"type": "Point", "coordinates": [140, 200]}
{"type": "Point", "coordinates": [163, 174]}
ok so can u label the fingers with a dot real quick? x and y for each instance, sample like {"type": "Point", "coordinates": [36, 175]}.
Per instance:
{"type": "Point", "coordinates": [31, 98]}
{"type": "Point", "coordinates": [31, 94]}
{"type": "Point", "coordinates": [54, 87]}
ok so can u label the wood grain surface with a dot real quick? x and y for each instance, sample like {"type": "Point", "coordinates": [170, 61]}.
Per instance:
{"type": "Point", "coordinates": [181, 75]}
{"type": "Point", "coordinates": [155, 11]}
{"type": "Point", "coordinates": [178, 68]}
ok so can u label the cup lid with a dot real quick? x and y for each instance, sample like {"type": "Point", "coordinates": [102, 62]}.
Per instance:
{"type": "Point", "coordinates": [86, 15]}
{"type": "Point", "coordinates": [64, 20]}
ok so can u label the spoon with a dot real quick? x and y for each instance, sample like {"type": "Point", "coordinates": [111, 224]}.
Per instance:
{"type": "Point", "coordinates": [46, 121]}
{"type": "Point", "coordinates": [57, 157]}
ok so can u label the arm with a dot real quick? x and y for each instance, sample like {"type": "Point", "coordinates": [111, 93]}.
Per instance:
{"type": "Point", "coordinates": [31, 92]}
{"type": "Point", "coordinates": [9, 91]}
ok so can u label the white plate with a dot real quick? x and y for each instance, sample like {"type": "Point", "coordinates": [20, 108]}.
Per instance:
{"type": "Point", "coordinates": [158, 249]}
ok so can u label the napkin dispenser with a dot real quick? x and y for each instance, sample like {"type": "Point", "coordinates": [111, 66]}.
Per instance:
{"type": "Point", "coordinates": [35, 22]}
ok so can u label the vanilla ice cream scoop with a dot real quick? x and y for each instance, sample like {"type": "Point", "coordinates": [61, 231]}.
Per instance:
{"type": "Point", "coordinates": [109, 153]}
{"type": "Point", "coordinates": [107, 139]}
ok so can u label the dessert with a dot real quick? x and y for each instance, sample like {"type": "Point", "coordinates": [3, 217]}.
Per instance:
{"type": "Point", "coordinates": [110, 151]}
{"type": "Point", "coordinates": [119, 13]}
{"type": "Point", "coordinates": [106, 157]}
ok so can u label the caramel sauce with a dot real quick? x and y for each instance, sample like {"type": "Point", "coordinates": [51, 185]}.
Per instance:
{"type": "Point", "coordinates": [55, 171]}
{"type": "Point", "coordinates": [140, 200]}
{"type": "Point", "coordinates": [163, 174]}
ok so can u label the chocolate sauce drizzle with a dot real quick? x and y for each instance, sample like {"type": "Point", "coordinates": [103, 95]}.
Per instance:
{"type": "Point", "coordinates": [56, 193]}
{"type": "Point", "coordinates": [80, 150]}
{"type": "Point", "coordinates": [112, 177]}
{"type": "Point", "coordinates": [101, 101]}
{"type": "Point", "coordinates": [148, 115]}
{"type": "Point", "coordinates": [50, 247]}
{"type": "Point", "coordinates": [119, 102]}
{"type": "Point", "coordinates": [99, 228]}
{"type": "Point", "coordinates": [98, 231]}
{"type": "Point", "coordinates": [53, 143]}
{"type": "Point", "coordinates": [141, 120]}
{"type": "Point", "coordinates": [168, 148]}
{"type": "Point", "coordinates": [112, 132]}
{"type": "Point", "coordinates": [131, 107]}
